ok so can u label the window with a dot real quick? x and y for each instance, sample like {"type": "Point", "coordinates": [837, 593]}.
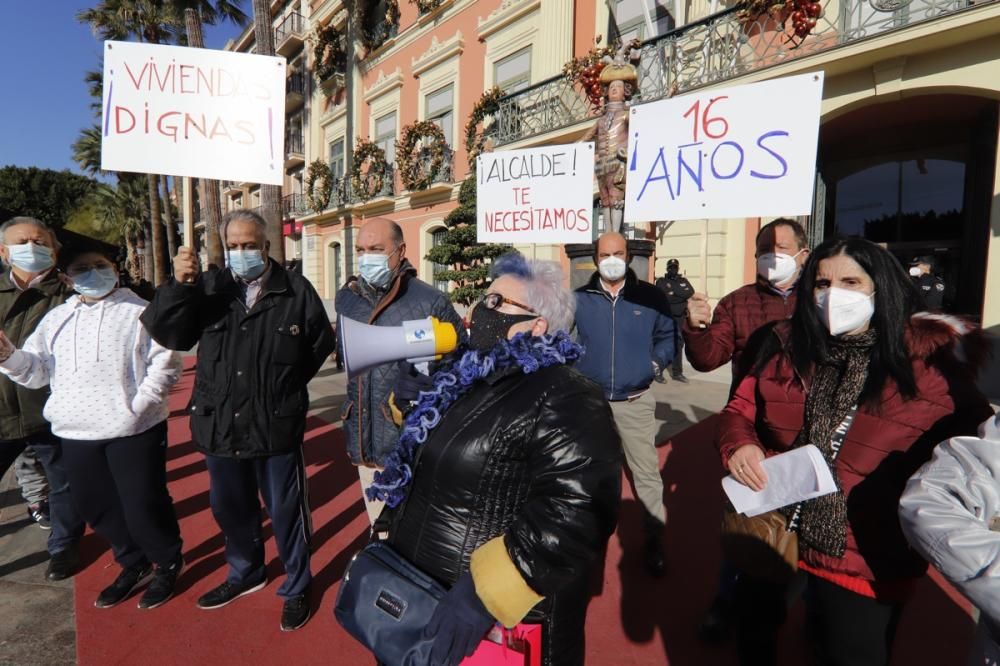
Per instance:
{"type": "Point", "coordinates": [293, 134]}
{"type": "Point", "coordinates": [440, 110]}
{"type": "Point", "coordinates": [385, 135]}
{"type": "Point", "coordinates": [631, 21]}
{"type": "Point", "coordinates": [513, 72]}
{"type": "Point", "coordinates": [437, 238]}
{"type": "Point", "coordinates": [337, 159]}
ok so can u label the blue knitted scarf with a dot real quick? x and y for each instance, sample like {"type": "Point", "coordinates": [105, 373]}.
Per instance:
{"type": "Point", "coordinates": [529, 353]}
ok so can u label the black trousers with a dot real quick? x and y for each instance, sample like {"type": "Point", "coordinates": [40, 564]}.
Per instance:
{"type": "Point", "coordinates": [67, 525]}
{"type": "Point", "coordinates": [677, 364]}
{"type": "Point", "coordinates": [120, 487]}
{"type": "Point", "coordinates": [845, 628]}
{"type": "Point", "coordinates": [234, 496]}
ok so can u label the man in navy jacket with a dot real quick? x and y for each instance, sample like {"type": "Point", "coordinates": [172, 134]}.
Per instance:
{"type": "Point", "coordinates": [625, 326]}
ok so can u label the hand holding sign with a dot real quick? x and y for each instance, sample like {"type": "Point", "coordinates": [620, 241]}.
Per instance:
{"type": "Point", "coordinates": [185, 265]}
{"type": "Point", "coordinates": [699, 312]}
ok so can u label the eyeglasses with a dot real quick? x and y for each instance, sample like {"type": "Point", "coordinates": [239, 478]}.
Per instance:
{"type": "Point", "coordinates": [492, 301]}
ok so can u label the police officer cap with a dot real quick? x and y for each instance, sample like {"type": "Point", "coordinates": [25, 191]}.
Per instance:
{"type": "Point", "coordinates": [922, 259]}
{"type": "Point", "coordinates": [673, 263]}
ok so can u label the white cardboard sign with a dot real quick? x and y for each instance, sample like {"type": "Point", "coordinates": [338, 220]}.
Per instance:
{"type": "Point", "coordinates": [742, 151]}
{"type": "Point", "coordinates": [536, 195]}
{"type": "Point", "coordinates": [193, 112]}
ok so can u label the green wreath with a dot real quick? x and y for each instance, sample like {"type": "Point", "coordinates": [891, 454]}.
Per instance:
{"type": "Point", "coordinates": [487, 106]}
{"type": "Point", "coordinates": [374, 178]}
{"type": "Point", "coordinates": [411, 170]}
{"type": "Point", "coordinates": [319, 197]}
{"type": "Point", "coordinates": [374, 38]}
{"type": "Point", "coordinates": [329, 53]}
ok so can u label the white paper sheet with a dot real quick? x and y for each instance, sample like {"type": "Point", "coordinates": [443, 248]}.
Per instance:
{"type": "Point", "coordinates": [792, 477]}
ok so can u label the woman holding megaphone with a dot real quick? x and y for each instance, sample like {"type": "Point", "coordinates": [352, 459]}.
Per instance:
{"type": "Point", "coordinates": [504, 485]}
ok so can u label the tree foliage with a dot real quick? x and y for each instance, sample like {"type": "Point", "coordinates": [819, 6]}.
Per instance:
{"type": "Point", "coordinates": [468, 260]}
{"type": "Point", "coordinates": [50, 196]}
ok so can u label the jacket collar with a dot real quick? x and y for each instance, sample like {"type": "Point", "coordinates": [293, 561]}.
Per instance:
{"type": "Point", "coordinates": [397, 288]}
{"type": "Point", "coordinates": [594, 285]}
{"type": "Point", "coordinates": [50, 284]}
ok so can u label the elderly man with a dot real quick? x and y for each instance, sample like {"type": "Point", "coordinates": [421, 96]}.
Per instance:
{"type": "Point", "coordinates": [385, 293]}
{"type": "Point", "coordinates": [625, 326]}
{"type": "Point", "coordinates": [27, 293]}
{"type": "Point", "coordinates": [262, 334]}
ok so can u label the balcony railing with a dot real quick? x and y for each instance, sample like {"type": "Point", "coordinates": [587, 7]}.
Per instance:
{"type": "Point", "coordinates": [293, 144]}
{"type": "Point", "coordinates": [424, 160]}
{"type": "Point", "coordinates": [717, 48]}
{"type": "Point", "coordinates": [294, 205]}
{"type": "Point", "coordinates": [296, 84]}
{"type": "Point", "coordinates": [388, 185]}
{"type": "Point", "coordinates": [288, 36]}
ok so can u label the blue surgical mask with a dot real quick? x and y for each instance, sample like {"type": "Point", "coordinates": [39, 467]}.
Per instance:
{"type": "Point", "coordinates": [31, 257]}
{"type": "Point", "coordinates": [95, 283]}
{"type": "Point", "coordinates": [248, 264]}
{"type": "Point", "coordinates": [374, 269]}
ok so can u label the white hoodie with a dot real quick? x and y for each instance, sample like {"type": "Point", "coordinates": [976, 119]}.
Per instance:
{"type": "Point", "coordinates": [107, 377]}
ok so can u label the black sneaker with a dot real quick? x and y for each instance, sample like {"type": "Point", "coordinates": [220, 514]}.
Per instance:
{"type": "Point", "coordinates": [63, 564]}
{"type": "Point", "coordinates": [653, 558]}
{"type": "Point", "coordinates": [40, 514]}
{"type": "Point", "coordinates": [162, 587]}
{"type": "Point", "coordinates": [227, 593]}
{"type": "Point", "coordinates": [295, 612]}
{"type": "Point", "coordinates": [126, 583]}
{"type": "Point", "coordinates": [680, 378]}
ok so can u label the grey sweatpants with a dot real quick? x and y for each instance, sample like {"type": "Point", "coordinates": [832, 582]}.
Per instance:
{"type": "Point", "coordinates": [31, 477]}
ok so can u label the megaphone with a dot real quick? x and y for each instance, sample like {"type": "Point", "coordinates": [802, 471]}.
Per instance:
{"type": "Point", "coordinates": [364, 346]}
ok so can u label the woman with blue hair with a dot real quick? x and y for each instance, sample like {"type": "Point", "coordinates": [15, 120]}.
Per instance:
{"type": "Point", "coordinates": [506, 479]}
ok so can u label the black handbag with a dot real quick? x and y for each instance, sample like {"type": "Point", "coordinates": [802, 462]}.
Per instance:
{"type": "Point", "coordinates": [385, 603]}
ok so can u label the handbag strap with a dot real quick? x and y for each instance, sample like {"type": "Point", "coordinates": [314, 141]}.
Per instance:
{"type": "Point", "coordinates": [836, 443]}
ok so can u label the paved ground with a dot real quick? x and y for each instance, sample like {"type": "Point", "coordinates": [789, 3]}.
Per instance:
{"type": "Point", "coordinates": [37, 625]}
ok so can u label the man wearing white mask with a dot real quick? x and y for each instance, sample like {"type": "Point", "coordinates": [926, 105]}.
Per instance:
{"type": "Point", "coordinates": [716, 338]}
{"type": "Point", "coordinates": [262, 335]}
{"type": "Point", "coordinates": [626, 328]}
{"type": "Point", "coordinates": [30, 290]}
{"type": "Point", "coordinates": [386, 292]}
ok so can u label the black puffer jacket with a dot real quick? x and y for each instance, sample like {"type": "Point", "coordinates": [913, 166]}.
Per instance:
{"type": "Point", "coordinates": [536, 459]}
{"type": "Point", "coordinates": [250, 397]}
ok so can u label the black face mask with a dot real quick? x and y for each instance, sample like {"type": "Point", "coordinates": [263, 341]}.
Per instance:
{"type": "Point", "coordinates": [488, 327]}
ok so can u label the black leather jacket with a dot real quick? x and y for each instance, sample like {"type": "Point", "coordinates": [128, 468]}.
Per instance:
{"type": "Point", "coordinates": [535, 458]}
{"type": "Point", "coordinates": [250, 398]}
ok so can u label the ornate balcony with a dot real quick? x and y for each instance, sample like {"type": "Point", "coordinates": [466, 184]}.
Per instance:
{"type": "Point", "coordinates": [294, 205]}
{"type": "Point", "coordinates": [717, 48]}
{"type": "Point", "coordinates": [294, 152]}
{"type": "Point", "coordinates": [295, 91]}
{"type": "Point", "coordinates": [289, 35]}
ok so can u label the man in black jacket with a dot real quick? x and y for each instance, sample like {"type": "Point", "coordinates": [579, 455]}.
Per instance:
{"type": "Point", "coordinates": [262, 334]}
{"type": "Point", "coordinates": [678, 291]}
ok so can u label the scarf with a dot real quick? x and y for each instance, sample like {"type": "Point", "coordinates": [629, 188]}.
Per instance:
{"type": "Point", "coordinates": [524, 353]}
{"type": "Point", "coordinates": [836, 386]}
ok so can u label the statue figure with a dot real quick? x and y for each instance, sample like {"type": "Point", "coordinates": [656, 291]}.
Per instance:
{"type": "Point", "coordinates": [618, 81]}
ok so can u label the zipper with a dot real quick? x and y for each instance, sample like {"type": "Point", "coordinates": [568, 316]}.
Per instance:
{"type": "Point", "coordinates": [361, 423]}
{"type": "Point", "coordinates": [614, 310]}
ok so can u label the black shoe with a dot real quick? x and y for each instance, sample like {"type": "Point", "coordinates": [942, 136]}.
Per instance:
{"type": "Point", "coordinates": [227, 593]}
{"type": "Point", "coordinates": [126, 583]}
{"type": "Point", "coordinates": [40, 514]}
{"type": "Point", "coordinates": [658, 376]}
{"type": "Point", "coordinates": [63, 564]}
{"type": "Point", "coordinates": [716, 626]}
{"type": "Point", "coordinates": [680, 378]}
{"type": "Point", "coordinates": [295, 612]}
{"type": "Point", "coordinates": [653, 558]}
{"type": "Point", "coordinates": [162, 587]}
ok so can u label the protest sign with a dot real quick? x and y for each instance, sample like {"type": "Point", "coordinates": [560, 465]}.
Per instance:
{"type": "Point", "coordinates": [536, 195]}
{"type": "Point", "coordinates": [742, 151]}
{"type": "Point", "coordinates": [193, 112]}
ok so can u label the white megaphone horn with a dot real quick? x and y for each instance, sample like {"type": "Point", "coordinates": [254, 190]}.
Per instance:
{"type": "Point", "coordinates": [364, 346]}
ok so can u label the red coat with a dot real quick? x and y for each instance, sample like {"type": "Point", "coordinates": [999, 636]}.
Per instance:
{"type": "Point", "coordinates": [883, 447]}
{"type": "Point", "coordinates": [736, 317]}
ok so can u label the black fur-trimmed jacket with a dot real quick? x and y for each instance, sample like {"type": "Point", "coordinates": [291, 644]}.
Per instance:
{"type": "Point", "coordinates": [534, 459]}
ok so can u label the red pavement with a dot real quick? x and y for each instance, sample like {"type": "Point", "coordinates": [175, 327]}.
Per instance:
{"type": "Point", "coordinates": [632, 620]}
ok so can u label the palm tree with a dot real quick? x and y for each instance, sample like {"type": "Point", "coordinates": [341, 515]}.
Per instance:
{"type": "Point", "coordinates": [270, 195]}
{"type": "Point", "coordinates": [121, 208]}
{"type": "Point", "coordinates": [87, 150]}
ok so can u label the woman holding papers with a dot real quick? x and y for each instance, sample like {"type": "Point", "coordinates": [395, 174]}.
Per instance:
{"type": "Point", "coordinates": [857, 342]}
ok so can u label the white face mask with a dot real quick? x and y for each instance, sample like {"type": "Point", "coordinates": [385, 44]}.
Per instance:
{"type": "Point", "coordinates": [776, 267]}
{"type": "Point", "coordinates": [916, 272]}
{"type": "Point", "coordinates": [612, 269]}
{"type": "Point", "coordinates": [844, 310]}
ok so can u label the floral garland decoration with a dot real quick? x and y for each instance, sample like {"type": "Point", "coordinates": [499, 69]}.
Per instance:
{"type": "Point", "coordinates": [426, 6]}
{"type": "Point", "coordinates": [585, 72]}
{"type": "Point", "coordinates": [329, 53]}
{"type": "Point", "coordinates": [384, 29]}
{"type": "Point", "coordinates": [487, 107]}
{"type": "Point", "coordinates": [319, 197]}
{"type": "Point", "coordinates": [369, 184]}
{"type": "Point", "coordinates": [412, 170]}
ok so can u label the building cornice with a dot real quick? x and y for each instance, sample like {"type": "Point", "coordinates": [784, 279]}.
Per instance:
{"type": "Point", "coordinates": [508, 12]}
{"type": "Point", "coordinates": [437, 53]}
{"type": "Point", "coordinates": [384, 84]}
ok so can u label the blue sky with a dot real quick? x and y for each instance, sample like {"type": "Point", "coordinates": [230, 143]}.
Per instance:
{"type": "Point", "coordinates": [45, 102]}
